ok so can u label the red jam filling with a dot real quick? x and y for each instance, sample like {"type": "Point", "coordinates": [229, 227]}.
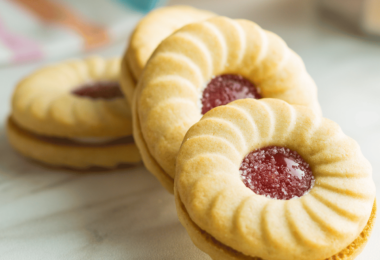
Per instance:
{"type": "Point", "coordinates": [226, 88]}
{"type": "Point", "coordinates": [276, 172]}
{"type": "Point", "coordinates": [99, 90]}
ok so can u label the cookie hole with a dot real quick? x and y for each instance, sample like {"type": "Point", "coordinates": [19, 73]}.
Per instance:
{"type": "Point", "coordinates": [276, 172]}
{"type": "Point", "coordinates": [99, 90]}
{"type": "Point", "coordinates": [226, 88]}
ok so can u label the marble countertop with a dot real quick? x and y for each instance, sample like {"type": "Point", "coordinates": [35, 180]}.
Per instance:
{"type": "Point", "coordinates": [49, 213]}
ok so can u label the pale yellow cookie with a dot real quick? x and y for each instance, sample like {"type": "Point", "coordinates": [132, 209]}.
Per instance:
{"type": "Point", "coordinates": [218, 251]}
{"type": "Point", "coordinates": [68, 153]}
{"type": "Point", "coordinates": [71, 113]}
{"type": "Point", "coordinates": [229, 221]}
{"type": "Point", "coordinates": [44, 102]}
{"type": "Point", "coordinates": [150, 31]}
{"type": "Point", "coordinates": [167, 99]}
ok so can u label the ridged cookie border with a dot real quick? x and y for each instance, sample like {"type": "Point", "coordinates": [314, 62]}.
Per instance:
{"type": "Point", "coordinates": [170, 87]}
{"type": "Point", "coordinates": [146, 37]}
{"type": "Point", "coordinates": [155, 27]}
{"type": "Point", "coordinates": [320, 223]}
{"type": "Point", "coordinates": [43, 103]}
{"type": "Point", "coordinates": [217, 251]}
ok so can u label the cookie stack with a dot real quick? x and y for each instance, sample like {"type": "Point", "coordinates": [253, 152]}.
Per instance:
{"type": "Point", "coordinates": [226, 117]}
{"type": "Point", "coordinates": [76, 114]}
{"type": "Point", "coordinates": [148, 34]}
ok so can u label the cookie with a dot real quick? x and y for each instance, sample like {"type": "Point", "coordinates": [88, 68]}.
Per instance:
{"type": "Point", "coordinates": [69, 153]}
{"type": "Point", "coordinates": [219, 251]}
{"type": "Point", "coordinates": [71, 114]}
{"type": "Point", "coordinates": [150, 31]}
{"type": "Point", "coordinates": [207, 64]}
{"type": "Point", "coordinates": [234, 202]}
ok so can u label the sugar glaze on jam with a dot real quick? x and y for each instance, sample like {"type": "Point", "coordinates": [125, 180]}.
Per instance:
{"type": "Point", "coordinates": [99, 90]}
{"type": "Point", "coordinates": [277, 173]}
{"type": "Point", "coordinates": [226, 88]}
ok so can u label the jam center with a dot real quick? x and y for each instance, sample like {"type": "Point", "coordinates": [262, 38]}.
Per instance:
{"type": "Point", "coordinates": [226, 88]}
{"type": "Point", "coordinates": [99, 90]}
{"type": "Point", "coordinates": [276, 172]}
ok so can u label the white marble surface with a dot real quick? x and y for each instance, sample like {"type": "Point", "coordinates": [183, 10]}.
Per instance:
{"type": "Point", "coordinates": [48, 213]}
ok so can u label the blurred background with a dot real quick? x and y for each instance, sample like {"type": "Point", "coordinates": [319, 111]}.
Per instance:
{"type": "Point", "coordinates": [33, 30]}
{"type": "Point", "coordinates": [55, 214]}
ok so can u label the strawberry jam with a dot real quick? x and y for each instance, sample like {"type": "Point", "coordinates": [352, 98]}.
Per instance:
{"type": "Point", "coordinates": [99, 90]}
{"type": "Point", "coordinates": [226, 88]}
{"type": "Point", "coordinates": [277, 173]}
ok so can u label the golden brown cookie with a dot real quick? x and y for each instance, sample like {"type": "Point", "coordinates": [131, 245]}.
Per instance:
{"type": "Point", "coordinates": [227, 219]}
{"type": "Point", "coordinates": [171, 91]}
{"type": "Point", "coordinates": [71, 113]}
{"type": "Point", "coordinates": [150, 31]}
{"type": "Point", "coordinates": [218, 251]}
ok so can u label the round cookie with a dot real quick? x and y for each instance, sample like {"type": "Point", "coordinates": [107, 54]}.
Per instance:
{"type": "Point", "coordinates": [73, 114]}
{"type": "Point", "coordinates": [170, 94]}
{"type": "Point", "coordinates": [150, 31]}
{"type": "Point", "coordinates": [228, 220]}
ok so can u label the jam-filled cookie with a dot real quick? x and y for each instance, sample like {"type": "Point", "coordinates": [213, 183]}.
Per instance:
{"type": "Point", "coordinates": [150, 31]}
{"type": "Point", "coordinates": [265, 180]}
{"type": "Point", "coordinates": [208, 64]}
{"type": "Point", "coordinates": [73, 114]}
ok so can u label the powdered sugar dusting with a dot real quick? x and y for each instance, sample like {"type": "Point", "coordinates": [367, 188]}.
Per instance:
{"type": "Point", "coordinates": [277, 173]}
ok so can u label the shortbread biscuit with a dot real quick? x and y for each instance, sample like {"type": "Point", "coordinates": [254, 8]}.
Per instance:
{"type": "Point", "coordinates": [219, 251]}
{"type": "Point", "coordinates": [167, 100]}
{"type": "Point", "coordinates": [227, 220]}
{"type": "Point", "coordinates": [68, 153]}
{"type": "Point", "coordinates": [150, 31]}
{"type": "Point", "coordinates": [70, 113]}
{"type": "Point", "coordinates": [44, 103]}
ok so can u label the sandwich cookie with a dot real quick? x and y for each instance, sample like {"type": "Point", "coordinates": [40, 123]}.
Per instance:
{"type": "Point", "coordinates": [150, 31]}
{"type": "Point", "coordinates": [73, 114]}
{"type": "Point", "coordinates": [265, 180]}
{"type": "Point", "coordinates": [204, 65]}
